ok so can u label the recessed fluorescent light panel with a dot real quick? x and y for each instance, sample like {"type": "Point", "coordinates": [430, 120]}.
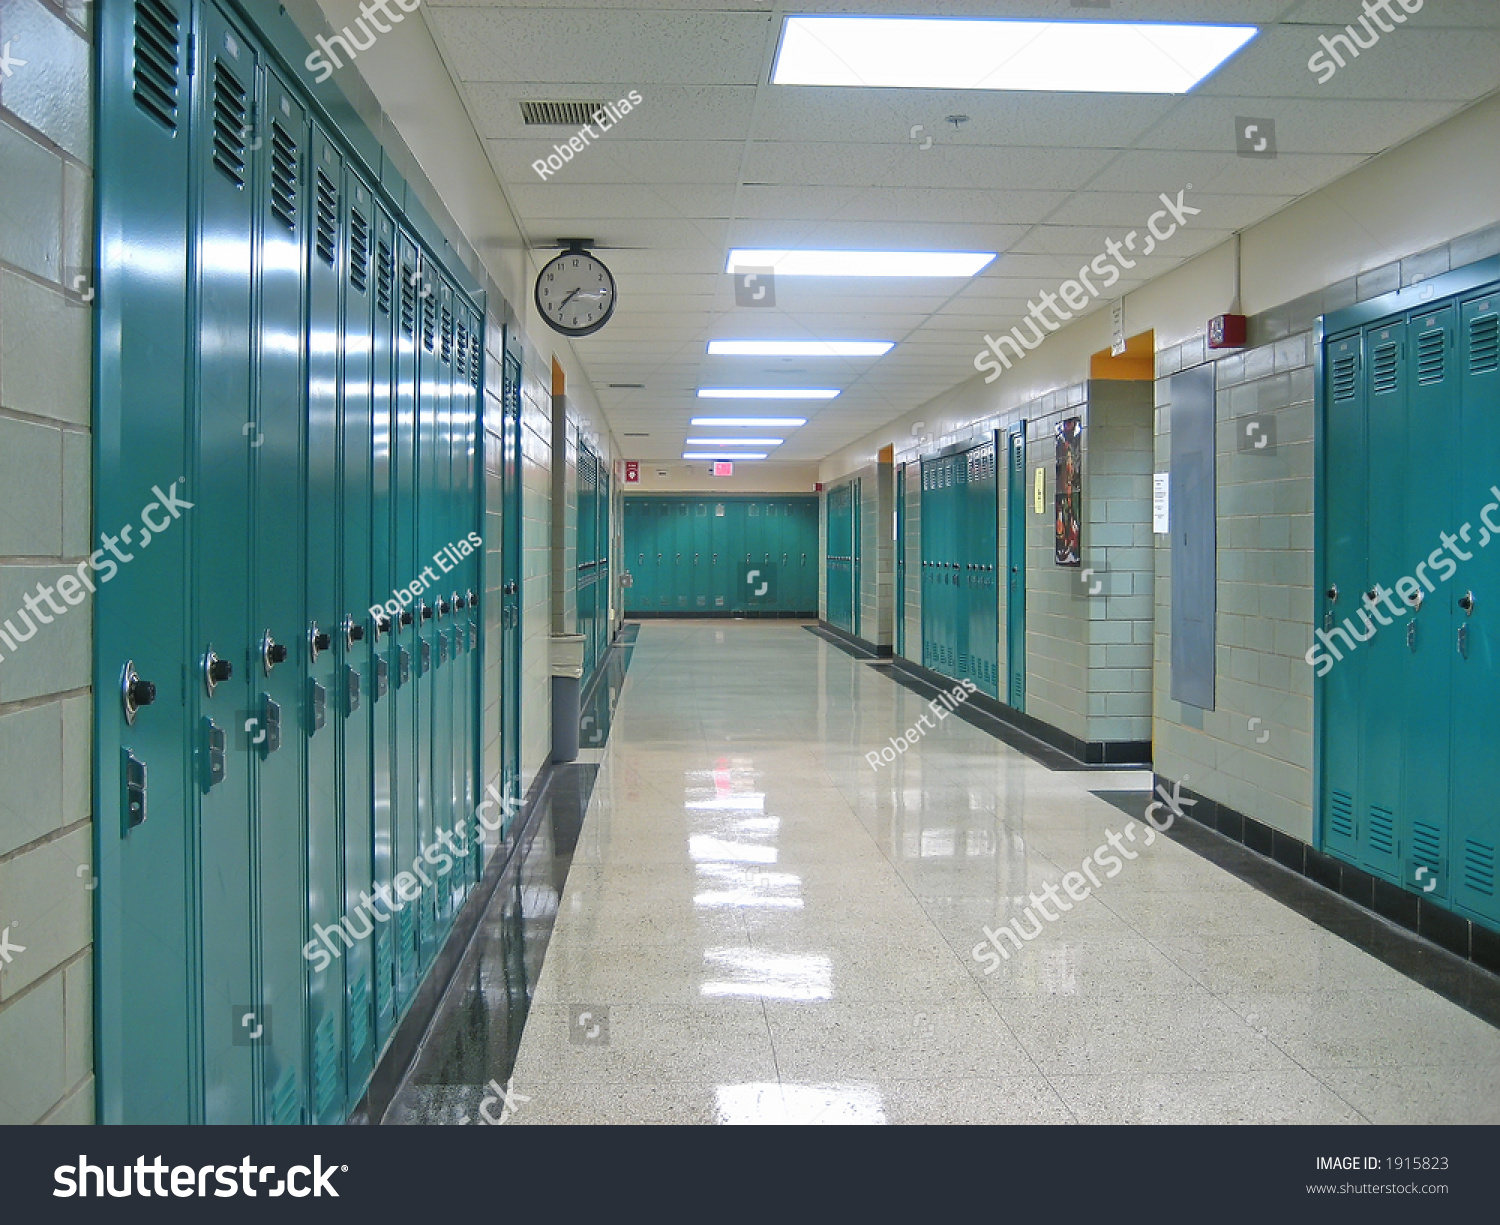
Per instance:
{"type": "Point", "coordinates": [723, 455]}
{"type": "Point", "coordinates": [953, 53]}
{"type": "Point", "coordinates": [799, 348]}
{"type": "Point", "coordinates": [861, 263]}
{"type": "Point", "coordinates": [760, 423]}
{"type": "Point", "coordinates": [734, 442]}
{"type": "Point", "coordinates": [764, 393]}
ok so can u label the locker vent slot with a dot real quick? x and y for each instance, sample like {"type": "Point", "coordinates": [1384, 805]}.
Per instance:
{"type": "Point", "coordinates": [1426, 844]}
{"type": "Point", "coordinates": [1345, 376]}
{"type": "Point", "coordinates": [1484, 345]}
{"type": "Point", "coordinates": [445, 353]}
{"type": "Point", "coordinates": [429, 323]}
{"type": "Point", "coordinates": [384, 273]}
{"type": "Point", "coordinates": [231, 109]}
{"type": "Point", "coordinates": [1382, 830]}
{"type": "Point", "coordinates": [1385, 368]}
{"type": "Point", "coordinates": [385, 965]}
{"type": "Point", "coordinates": [1430, 350]}
{"type": "Point", "coordinates": [476, 362]}
{"type": "Point", "coordinates": [406, 920]}
{"type": "Point", "coordinates": [1341, 814]}
{"type": "Point", "coordinates": [325, 1067]}
{"type": "Point", "coordinates": [328, 219]}
{"type": "Point", "coordinates": [158, 48]}
{"type": "Point", "coordinates": [408, 300]}
{"type": "Point", "coordinates": [359, 1017]}
{"type": "Point", "coordinates": [359, 251]}
{"type": "Point", "coordinates": [1479, 867]}
{"type": "Point", "coordinates": [283, 176]}
{"type": "Point", "coordinates": [461, 353]}
{"type": "Point", "coordinates": [283, 1110]}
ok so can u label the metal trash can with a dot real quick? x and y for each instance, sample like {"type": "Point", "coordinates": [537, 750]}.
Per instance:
{"type": "Point", "coordinates": [567, 682]}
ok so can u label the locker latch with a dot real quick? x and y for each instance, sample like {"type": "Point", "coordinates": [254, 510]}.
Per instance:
{"type": "Point", "coordinates": [426, 664]}
{"type": "Point", "coordinates": [473, 636]}
{"type": "Point", "coordinates": [215, 755]}
{"type": "Point", "coordinates": [270, 722]}
{"type": "Point", "coordinates": [351, 689]}
{"type": "Point", "coordinates": [135, 791]}
{"type": "Point", "coordinates": [382, 677]}
{"type": "Point", "coordinates": [442, 646]}
{"type": "Point", "coordinates": [1411, 636]}
{"type": "Point", "coordinates": [403, 667]}
{"type": "Point", "coordinates": [319, 704]}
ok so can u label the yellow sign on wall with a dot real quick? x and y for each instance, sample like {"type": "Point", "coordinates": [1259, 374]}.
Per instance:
{"type": "Point", "coordinates": [1041, 491]}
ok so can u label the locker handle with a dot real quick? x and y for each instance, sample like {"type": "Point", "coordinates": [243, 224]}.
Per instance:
{"type": "Point", "coordinates": [1333, 593]}
{"type": "Point", "coordinates": [426, 612]}
{"type": "Point", "coordinates": [1466, 602]}
{"type": "Point", "coordinates": [134, 692]}
{"type": "Point", "coordinates": [695, 559]}
{"type": "Point", "coordinates": [406, 618]}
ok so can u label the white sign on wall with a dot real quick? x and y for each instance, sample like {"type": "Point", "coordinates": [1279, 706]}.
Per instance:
{"type": "Point", "coordinates": [1160, 483]}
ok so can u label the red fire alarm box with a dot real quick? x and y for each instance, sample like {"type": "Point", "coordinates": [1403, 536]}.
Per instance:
{"type": "Point", "coordinates": [723, 468]}
{"type": "Point", "coordinates": [1228, 332]}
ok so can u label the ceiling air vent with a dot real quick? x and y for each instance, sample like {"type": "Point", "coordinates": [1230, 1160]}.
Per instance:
{"type": "Point", "coordinates": [627, 386]}
{"type": "Point", "coordinates": [558, 114]}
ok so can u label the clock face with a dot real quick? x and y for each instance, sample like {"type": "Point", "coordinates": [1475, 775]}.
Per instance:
{"type": "Point", "coordinates": [575, 293]}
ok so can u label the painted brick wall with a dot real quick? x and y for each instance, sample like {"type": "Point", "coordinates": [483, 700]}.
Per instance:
{"type": "Point", "coordinates": [46, 839]}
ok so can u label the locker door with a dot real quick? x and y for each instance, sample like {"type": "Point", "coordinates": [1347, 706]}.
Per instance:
{"type": "Point", "coordinates": [275, 723]}
{"type": "Point", "coordinates": [900, 602]}
{"type": "Point", "coordinates": [145, 1051]}
{"type": "Point", "coordinates": [856, 530]}
{"type": "Point", "coordinates": [219, 669]}
{"type": "Point", "coordinates": [384, 626]}
{"type": "Point", "coordinates": [1015, 567]}
{"type": "Point", "coordinates": [511, 573]}
{"type": "Point", "coordinates": [979, 570]}
{"type": "Point", "coordinates": [468, 582]}
{"type": "Point", "coordinates": [635, 554]}
{"type": "Point", "coordinates": [1384, 650]}
{"type": "Point", "coordinates": [440, 747]}
{"type": "Point", "coordinates": [601, 561]}
{"type": "Point", "coordinates": [807, 564]}
{"type": "Point", "coordinates": [353, 642]}
{"type": "Point", "coordinates": [1427, 652]}
{"type": "Point", "coordinates": [927, 521]}
{"type": "Point", "coordinates": [699, 557]}
{"type": "Point", "coordinates": [681, 556]}
{"type": "Point", "coordinates": [407, 648]}
{"type": "Point", "coordinates": [1474, 832]}
{"type": "Point", "coordinates": [325, 896]}
{"type": "Point", "coordinates": [429, 533]}
{"type": "Point", "coordinates": [1345, 481]}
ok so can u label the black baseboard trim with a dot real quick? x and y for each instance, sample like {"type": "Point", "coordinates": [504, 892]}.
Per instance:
{"type": "Point", "coordinates": [859, 647]}
{"type": "Point", "coordinates": [1046, 743]}
{"type": "Point", "coordinates": [722, 614]}
{"type": "Point", "coordinates": [1450, 931]}
{"type": "Point", "coordinates": [401, 1050]}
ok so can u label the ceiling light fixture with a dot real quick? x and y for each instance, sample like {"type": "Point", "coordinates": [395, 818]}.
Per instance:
{"type": "Point", "coordinates": [775, 423]}
{"type": "Point", "coordinates": [765, 393]}
{"type": "Point", "coordinates": [734, 442]}
{"type": "Point", "coordinates": [860, 263]}
{"type": "Point", "coordinates": [1114, 57]}
{"type": "Point", "coordinates": [799, 348]}
{"type": "Point", "coordinates": [718, 455]}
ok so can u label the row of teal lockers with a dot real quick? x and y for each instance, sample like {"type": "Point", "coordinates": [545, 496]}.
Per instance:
{"type": "Point", "coordinates": [843, 560]}
{"type": "Point", "coordinates": [689, 555]}
{"type": "Point", "coordinates": [592, 565]}
{"type": "Point", "coordinates": [288, 677]}
{"type": "Point", "coordinates": [963, 570]}
{"type": "Point", "coordinates": [1408, 644]}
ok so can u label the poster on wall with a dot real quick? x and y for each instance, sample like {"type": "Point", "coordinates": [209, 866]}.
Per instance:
{"type": "Point", "coordinates": [1069, 492]}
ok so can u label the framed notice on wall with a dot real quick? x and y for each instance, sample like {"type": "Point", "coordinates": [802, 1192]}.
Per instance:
{"type": "Point", "coordinates": [1069, 497]}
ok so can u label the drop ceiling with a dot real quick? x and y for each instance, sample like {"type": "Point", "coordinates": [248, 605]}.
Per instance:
{"type": "Point", "coordinates": [715, 157]}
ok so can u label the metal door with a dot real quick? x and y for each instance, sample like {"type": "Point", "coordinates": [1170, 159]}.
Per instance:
{"type": "Point", "coordinates": [1015, 567]}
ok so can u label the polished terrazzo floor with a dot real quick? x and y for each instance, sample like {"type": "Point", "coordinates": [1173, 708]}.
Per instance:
{"type": "Point", "coordinates": [758, 927]}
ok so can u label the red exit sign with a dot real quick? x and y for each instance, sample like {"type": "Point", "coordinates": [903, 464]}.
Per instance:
{"type": "Point", "coordinates": [723, 468]}
{"type": "Point", "coordinates": [632, 472]}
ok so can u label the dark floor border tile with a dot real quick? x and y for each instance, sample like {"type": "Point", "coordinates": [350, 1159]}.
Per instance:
{"type": "Point", "coordinates": [401, 1052]}
{"type": "Point", "coordinates": [1431, 945]}
{"type": "Point", "coordinates": [1050, 746]}
{"type": "Point", "coordinates": [850, 644]}
{"type": "Point", "coordinates": [722, 614]}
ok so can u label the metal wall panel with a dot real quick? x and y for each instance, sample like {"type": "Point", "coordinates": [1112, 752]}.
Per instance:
{"type": "Point", "coordinates": [1194, 537]}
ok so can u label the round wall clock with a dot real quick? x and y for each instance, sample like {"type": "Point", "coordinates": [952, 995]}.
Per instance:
{"type": "Point", "coordinates": [575, 293]}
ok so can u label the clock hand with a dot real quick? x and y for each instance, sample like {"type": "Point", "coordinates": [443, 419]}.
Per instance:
{"type": "Point", "coordinates": [568, 299]}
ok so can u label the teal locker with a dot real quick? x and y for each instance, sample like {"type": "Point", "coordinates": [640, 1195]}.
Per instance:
{"type": "Point", "coordinates": [1345, 565]}
{"type": "Point", "coordinates": [981, 614]}
{"type": "Point", "coordinates": [219, 686]}
{"type": "Point", "coordinates": [325, 898]}
{"type": "Point", "coordinates": [439, 518]}
{"type": "Point", "coordinates": [146, 932]}
{"type": "Point", "coordinates": [681, 558]}
{"type": "Point", "coordinates": [384, 626]}
{"type": "Point", "coordinates": [352, 642]}
{"type": "Point", "coordinates": [509, 645]}
{"type": "Point", "coordinates": [900, 600]}
{"type": "Point", "coordinates": [275, 723]}
{"type": "Point", "coordinates": [406, 678]}
{"type": "Point", "coordinates": [1015, 567]}
{"type": "Point", "coordinates": [429, 530]}
{"type": "Point", "coordinates": [856, 528]}
{"type": "Point", "coordinates": [1474, 829]}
